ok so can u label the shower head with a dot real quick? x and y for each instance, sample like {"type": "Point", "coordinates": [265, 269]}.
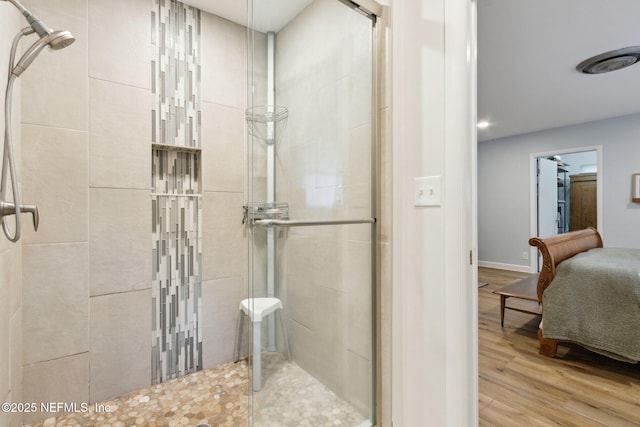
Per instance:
{"type": "Point", "coordinates": [60, 40]}
{"type": "Point", "coordinates": [56, 40]}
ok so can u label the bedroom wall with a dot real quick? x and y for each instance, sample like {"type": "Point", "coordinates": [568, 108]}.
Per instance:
{"type": "Point", "coordinates": [580, 162]}
{"type": "Point", "coordinates": [503, 185]}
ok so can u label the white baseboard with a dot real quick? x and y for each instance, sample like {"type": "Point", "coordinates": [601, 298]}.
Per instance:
{"type": "Point", "coordinates": [502, 266]}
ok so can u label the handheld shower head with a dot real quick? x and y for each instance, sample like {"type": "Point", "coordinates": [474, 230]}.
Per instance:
{"type": "Point", "coordinates": [56, 40]}
{"type": "Point", "coordinates": [60, 40]}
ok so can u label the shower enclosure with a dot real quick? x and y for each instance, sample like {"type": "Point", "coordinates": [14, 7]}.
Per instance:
{"type": "Point", "coordinates": [310, 213]}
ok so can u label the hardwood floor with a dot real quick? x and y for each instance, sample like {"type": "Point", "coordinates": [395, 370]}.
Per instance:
{"type": "Point", "coordinates": [519, 387]}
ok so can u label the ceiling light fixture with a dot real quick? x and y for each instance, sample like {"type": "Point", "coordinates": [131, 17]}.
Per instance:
{"type": "Point", "coordinates": [483, 124]}
{"type": "Point", "coordinates": [610, 61]}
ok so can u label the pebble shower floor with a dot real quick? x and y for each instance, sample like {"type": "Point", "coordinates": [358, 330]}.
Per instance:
{"type": "Point", "coordinates": [214, 396]}
{"type": "Point", "coordinates": [218, 397]}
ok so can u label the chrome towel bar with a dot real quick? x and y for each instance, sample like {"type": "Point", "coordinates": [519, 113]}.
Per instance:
{"type": "Point", "coordinates": [309, 223]}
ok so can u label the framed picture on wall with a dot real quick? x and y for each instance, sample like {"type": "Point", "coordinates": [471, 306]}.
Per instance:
{"type": "Point", "coordinates": [635, 188]}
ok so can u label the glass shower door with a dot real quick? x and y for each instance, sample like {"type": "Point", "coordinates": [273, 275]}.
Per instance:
{"type": "Point", "coordinates": [310, 214]}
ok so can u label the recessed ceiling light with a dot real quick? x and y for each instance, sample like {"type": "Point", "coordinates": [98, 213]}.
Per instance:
{"type": "Point", "coordinates": [610, 61]}
{"type": "Point", "coordinates": [483, 124]}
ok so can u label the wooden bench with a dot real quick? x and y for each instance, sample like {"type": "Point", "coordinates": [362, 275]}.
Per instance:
{"type": "Point", "coordinates": [525, 289]}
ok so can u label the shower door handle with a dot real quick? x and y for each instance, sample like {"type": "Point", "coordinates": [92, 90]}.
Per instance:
{"type": "Point", "coordinates": [309, 223]}
{"type": "Point", "coordinates": [9, 208]}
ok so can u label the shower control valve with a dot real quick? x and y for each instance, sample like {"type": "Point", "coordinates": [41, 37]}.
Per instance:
{"type": "Point", "coordinates": [9, 208]}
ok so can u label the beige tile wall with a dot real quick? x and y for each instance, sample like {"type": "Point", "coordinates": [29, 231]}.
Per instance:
{"type": "Point", "coordinates": [119, 135]}
{"type": "Point", "coordinates": [120, 350]}
{"type": "Point", "coordinates": [224, 239]}
{"type": "Point", "coordinates": [119, 245]}
{"type": "Point", "coordinates": [56, 178]}
{"type": "Point", "coordinates": [119, 42]}
{"type": "Point", "coordinates": [10, 253]}
{"type": "Point", "coordinates": [56, 312]}
{"type": "Point", "coordinates": [86, 163]}
{"type": "Point", "coordinates": [221, 298]}
{"type": "Point", "coordinates": [62, 101]}
{"type": "Point", "coordinates": [63, 380]}
{"type": "Point", "coordinates": [223, 151]}
{"type": "Point", "coordinates": [16, 394]}
{"type": "Point", "coordinates": [223, 246]}
{"type": "Point", "coordinates": [55, 270]}
{"type": "Point", "coordinates": [5, 331]}
{"type": "Point", "coordinates": [224, 62]}
{"type": "Point", "coordinates": [119, 82]}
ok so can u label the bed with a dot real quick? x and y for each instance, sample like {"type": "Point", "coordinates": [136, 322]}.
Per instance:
{"type": "Point", "coordinates": [590, 295]}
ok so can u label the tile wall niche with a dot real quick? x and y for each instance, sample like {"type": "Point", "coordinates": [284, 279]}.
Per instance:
{"type": "Point", "coordinates": [176, 191]}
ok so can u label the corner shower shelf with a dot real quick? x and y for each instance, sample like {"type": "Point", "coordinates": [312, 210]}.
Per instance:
{"type": "Point", "coordinates": [266, 211]}
{"type": "Point", "coordinates": [267, 122]}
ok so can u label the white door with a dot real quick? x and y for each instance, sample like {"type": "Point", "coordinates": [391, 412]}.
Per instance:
{"type": "Point", "coordinates": [547, 197]}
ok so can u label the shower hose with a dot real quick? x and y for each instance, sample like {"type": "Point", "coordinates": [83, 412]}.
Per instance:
{"type": "Point", "coordinates": [8, 161]}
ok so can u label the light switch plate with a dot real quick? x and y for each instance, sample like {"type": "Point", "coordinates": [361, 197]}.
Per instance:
{"type": "Point", "coordinates": [428, 191]}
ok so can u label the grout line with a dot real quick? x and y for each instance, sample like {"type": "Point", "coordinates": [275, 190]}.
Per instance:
{"type": "Point", "coordinates": [56, 358]}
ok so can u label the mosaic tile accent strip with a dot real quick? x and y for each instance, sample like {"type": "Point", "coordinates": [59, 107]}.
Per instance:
{"type": "Point", "coordinates": [176, 287]}
{"type": "Point", "coordinates": [175, 181]}
{"type": "Point", "coordinates": [175, 77]}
